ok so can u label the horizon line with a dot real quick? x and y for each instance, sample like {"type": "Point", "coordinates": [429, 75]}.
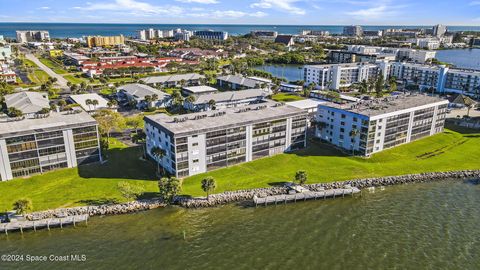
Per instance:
{"type": "Point", "coordinates": [246, 24]}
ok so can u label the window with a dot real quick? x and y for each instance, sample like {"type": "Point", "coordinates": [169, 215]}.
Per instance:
{"type": "Point", "coordinates": [194, 144]}
{"type": "Point", "coordinates": [195, 160]}
{"type": "Point", "coordinates": [343, 116]}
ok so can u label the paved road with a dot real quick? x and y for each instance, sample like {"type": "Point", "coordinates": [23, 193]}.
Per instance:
{"type": "Point", "coordinates": [62, 82]}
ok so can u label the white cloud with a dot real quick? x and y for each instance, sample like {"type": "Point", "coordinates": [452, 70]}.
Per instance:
{"type": "Point", "coordinates": [199, 1]}
{"type": "Point", "coordinates": [284, 5]}
{"type": "Point", "coordinates": [45, 8]}
{"type": "Point", "coordinates": [228, 14]}
{"type": "Point", "coordinates": [475, 3]}
{"type": "Point", "coordinates": [132, 6]}
{"type": "Point", "coordinates": [377, 9]}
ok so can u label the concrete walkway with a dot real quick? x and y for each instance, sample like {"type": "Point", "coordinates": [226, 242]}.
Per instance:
{"type": "Point", "coordinates": [62, 82]}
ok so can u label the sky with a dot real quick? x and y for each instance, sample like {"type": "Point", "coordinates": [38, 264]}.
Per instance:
{"type": "Point", "coordinates": [295, 12]}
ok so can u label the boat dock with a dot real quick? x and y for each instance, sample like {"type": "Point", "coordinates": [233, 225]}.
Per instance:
{"type": "Point", "coordinates": [43, 223]}
{"type": "Point", "coordinates": [305, 195]}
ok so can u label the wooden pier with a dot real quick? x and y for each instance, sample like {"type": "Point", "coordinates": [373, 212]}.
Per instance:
{"type": "Point", "coordinates": [42, 224]}
{"type": "Point", "coordinates": [306, 195]}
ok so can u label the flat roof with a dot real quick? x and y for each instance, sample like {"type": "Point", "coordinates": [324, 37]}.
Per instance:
{"type": "Point", "coordinates": [10, 128]}
{"type": "Point", "coordinates": [172, 78]}
{"type": "Point", "coordinates": [260, 79]}
{"type": "Point", "coordinates": [235, 79]}
{"type": "Point", "coordinates": [386, 105]}
{"type": "Point", "coordinates": [200, 89]}
{"type": "Point", "coordinates": [344, 65]}
{"type": "Point", "coordinates": [230, 117]}
{"type": "Point", "coordinates": [231, 95]}
{"type": "Point", "coordinates": [140, 91]}
{"type": "Point", "coordinates": [82, 101]}
{"type": "Point", "coordinates": [27, 102]}
{"type": "Point", "coordinates": [306, 103]}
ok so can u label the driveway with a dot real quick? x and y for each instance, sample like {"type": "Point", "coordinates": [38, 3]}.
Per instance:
{"type": "Point", "coordinates": [62, 82]}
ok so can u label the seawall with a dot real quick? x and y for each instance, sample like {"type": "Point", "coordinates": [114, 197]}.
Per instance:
{"type": "Point", "coordinates": [247, 195]}
{"type": "Point", "coordinates": [98, 210]}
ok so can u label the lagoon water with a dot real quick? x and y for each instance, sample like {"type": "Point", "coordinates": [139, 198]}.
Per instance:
{"type": "Point", "coordinates": [460, 58]}
{"type": "Point", "coordinates": [420, 226]}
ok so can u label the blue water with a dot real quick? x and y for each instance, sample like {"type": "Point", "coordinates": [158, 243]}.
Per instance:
{"type": "Point", "coordinates": [460, 58]}
{"type": "Point", "coordinates": [62, 30]}
{"type": "Point", "coordinates": [289, 72]}
{"type": "Point", "coordinates": [465, 58]}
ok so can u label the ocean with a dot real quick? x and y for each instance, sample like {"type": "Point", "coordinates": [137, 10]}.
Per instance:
{"type": "Point", "coordinates": [63, 30]}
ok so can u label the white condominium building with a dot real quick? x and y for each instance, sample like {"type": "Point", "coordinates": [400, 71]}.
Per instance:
{"type": "Point", "coordinates": [441, 78]}
{"type": "Point", "coordinates": [42, 143]}
{"type": "Point", "coordinates": [401, 54]}
{"type": "Point", "coordinates": [380, 124]}
{"type": "Point", "coordinates": [32, 35]}
{"type": "Point", "coordinates": [205, 141]}
{"type": "Point", "coordinates": [335, 76]}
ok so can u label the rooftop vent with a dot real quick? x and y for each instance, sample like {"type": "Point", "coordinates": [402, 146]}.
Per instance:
{"type": "Point", "coordinates": [180, 120]}
{"type": "Point", "coordinates": [217, 114]}
{"type": "Point", "coordinates": [198, 117]}
{"type": "Point", "coordinates": [242, 110]}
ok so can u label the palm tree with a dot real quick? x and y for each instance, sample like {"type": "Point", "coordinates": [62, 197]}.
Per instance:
{"type": "Point", "coordinates": [14, 112]}
{"type": "Point", "coordinates": [177, 98]}
{"type": "Point", "coordinates": [154, 98]}
{"type": "Point", "coordinates": [208, 185]}
{"type": "Point", "coordinates": [158, 153]}
{"type": "Point", "coordinates": [364, 87]}
{"type": "Point", "coordinates": [212, 103]}
{"type": "Point", "coordinates": [112, 103]}
{"type": "Point", "coordinates": [62, 103]}
{"type": "Point", "coordinates": [89, 102]}
{"type": "Point", "coordinates": [148, 100]}
{"type": "Point", "coordinates": [301, 177]}
{"type": "Point", "coordinates": [95, 104]}
{"type": "Point", "coordinates": [353, 134]}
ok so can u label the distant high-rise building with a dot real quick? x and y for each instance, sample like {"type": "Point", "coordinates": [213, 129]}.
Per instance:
{"type": "Point", "coordinates": [212, 35]}
{"type": "Point", "coordinates": [149, 34]}
{"type": "Point", "coordinates": [353, 30]}
{"type": "Point", "coordinates": [32, 35]}
{"type": "Point", "coordinates": [103, 41]}
{"type": "Point", "coordinates": [183, 35]}
{"type": "Point", "coordinates": [439, 30]}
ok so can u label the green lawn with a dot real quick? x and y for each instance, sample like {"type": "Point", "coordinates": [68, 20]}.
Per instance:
{"type": "Point", "coordinates": [97, 183]}
{"type": "Point", "coordinates": [38, 76]}
{"type": "Point", "coordinates": [75, 80]}
{"type": "Point", "coordinates": [54, 66]}
{"type": "Point", "coordinates": [443, 152]}
{"type": "Point", "coordinates": [86, 185]}
{"type": "Point", "coordinates": [286, 97]}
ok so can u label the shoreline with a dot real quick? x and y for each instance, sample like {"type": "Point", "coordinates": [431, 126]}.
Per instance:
{"type": "Point", "coordinates": [248, 195]}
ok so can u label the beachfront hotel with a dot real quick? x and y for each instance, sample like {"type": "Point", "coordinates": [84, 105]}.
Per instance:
{"type": "Point", "coordinates": [205, 141]}
{"type": "Point", "coordinates": [211, 35]}
{"type": "Point", "coordinates": [380, 124]}
{"type": "Point", "coordinates": [42, 143]}
{"type": "Point", "coordinates": [105, 41]}
{"type": "Point", "coordinates": [32, 35]}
